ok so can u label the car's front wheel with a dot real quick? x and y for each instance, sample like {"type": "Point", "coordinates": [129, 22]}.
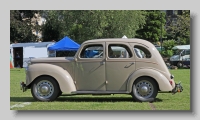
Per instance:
{"type": "Point", "coordinates": [144, 89]}
{"type": "Point", "coordinates": [45, 89]}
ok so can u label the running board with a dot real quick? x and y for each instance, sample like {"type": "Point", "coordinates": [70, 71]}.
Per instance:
{"type": "Point", "coordinates": [100, 92]}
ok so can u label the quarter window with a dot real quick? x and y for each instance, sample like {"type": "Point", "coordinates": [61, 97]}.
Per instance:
{"type": "Point", "coordinates": [142, 52]}
{"type": "Point", "coordinates": [92, 51]}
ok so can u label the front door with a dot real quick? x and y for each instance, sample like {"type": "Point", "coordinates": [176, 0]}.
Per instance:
{"type": "Point", "coordinates": [120, 64]}
{"type": "Point", "coordinates": [90, 68]}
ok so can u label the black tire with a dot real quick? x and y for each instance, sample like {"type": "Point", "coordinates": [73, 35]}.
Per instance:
{"type": "Point", "coordinates": [59, 94]}
{"type": "Point", "coordinates": [45, 89]}
{"type": "Point", "coordinates": [179, 64]}
{"type": "Point", "coordinates": [144, 89]}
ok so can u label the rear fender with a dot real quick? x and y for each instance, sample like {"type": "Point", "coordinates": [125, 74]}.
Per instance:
{"type": "Point", "coordinates": [163, 82]}
{"type": "Point", "coordinates": [63, 78]}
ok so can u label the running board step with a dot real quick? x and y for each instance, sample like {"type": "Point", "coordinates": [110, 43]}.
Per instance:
{"type": "Point", "coordinates": [100, 92]}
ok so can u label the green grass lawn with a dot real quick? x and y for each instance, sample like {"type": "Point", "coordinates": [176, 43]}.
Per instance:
{"type": "Point", "coordinates": [165, 101]}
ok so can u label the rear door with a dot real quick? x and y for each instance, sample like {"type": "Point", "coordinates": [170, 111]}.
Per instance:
{"type": "Point", "coordinates": [120, 64]}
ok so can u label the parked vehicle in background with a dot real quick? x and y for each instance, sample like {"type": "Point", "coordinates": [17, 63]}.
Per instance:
{"type": "Point", "coordinates": [21, 52]}
{"type": "Point", "coordinates": [181, 56]}
{"type": "Point", "coordinates": [102, 67]}
{"type": "Point", "coordinates": [158, 47]}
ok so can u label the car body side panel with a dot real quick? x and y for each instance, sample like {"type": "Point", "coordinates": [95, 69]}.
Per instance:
{"type": "Point", "coordinates": [117, 74]}
{"type": "Point", "coordinates": [156, 61]}
{"type": "Point", "coordinates": [90, 76]}
{"type": "Point", "coordinates": [163, 82]}
{"type": "Point", "coordinates": [64, 79]}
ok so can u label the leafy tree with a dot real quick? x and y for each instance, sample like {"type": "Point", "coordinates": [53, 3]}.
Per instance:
{"type": "Point", "coordinates": [180, 30]}
{"type": "Point", "coordinates": [154, 27]}
{"type": "Point", "coordinates": [20, 25]}
{"type": "Point", "coordinates": [82, 25]}
{"type": "Point", "coordinates": [168, 45]}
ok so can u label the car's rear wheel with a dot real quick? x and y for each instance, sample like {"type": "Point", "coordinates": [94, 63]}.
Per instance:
{"type": "Point", "coordinates": [144, 89]}
{"type": "Point", "coordinates": [45, 89]}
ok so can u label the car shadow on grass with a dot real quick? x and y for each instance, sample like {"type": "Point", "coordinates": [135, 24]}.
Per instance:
{"type": "Point", "coordinates": [22, 99]}
{"type": "Point", "coordinates": [100, 99]}
{"type": "Point", "coordinates": [81, 99]}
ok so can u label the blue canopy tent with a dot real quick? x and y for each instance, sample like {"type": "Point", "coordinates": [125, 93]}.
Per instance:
{"type": "Point", "coordinates": [65, 44]}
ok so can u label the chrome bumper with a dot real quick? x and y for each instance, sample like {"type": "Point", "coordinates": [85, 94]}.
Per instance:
{"type": "Point", "coordinates": [178, 88]}
{"type": "Point", "coordinates": [23, 86]}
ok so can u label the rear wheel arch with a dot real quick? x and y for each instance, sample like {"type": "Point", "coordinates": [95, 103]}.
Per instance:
{"type": "Point", "coordinates": [147, 77]}
{"type": "Point", "coordinates": [153, 74]}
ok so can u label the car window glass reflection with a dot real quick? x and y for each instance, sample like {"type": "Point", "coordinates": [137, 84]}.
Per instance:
{"type": "Point", "coordinates": [92, 51]}
{"type": "Point", "coordinates": [119, 51]}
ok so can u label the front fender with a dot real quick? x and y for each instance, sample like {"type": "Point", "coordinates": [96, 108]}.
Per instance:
{"type": "Point", "coordinates": [63, 78]}
{"type": "Point", "coordinates": [163, 82]}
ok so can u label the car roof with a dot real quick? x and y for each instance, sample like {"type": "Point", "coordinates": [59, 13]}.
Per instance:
{"type": "Point", "coordinates": [137, 40]}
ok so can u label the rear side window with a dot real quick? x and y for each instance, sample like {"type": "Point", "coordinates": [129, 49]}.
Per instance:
{"type": "Point", "coordinates": [142, 52]}
{"type": "Point", "coordinates": [119, 51]}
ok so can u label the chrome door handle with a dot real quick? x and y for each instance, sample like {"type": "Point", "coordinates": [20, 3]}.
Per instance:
{"type": "Point", "coordinates": [127, 66]}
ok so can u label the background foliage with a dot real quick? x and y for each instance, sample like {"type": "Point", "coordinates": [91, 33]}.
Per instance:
{"type": "Point", "coordinates": [180, 30]}
{"type": "Point", "coordinates": [81, 25]}
{"type": "Point", "coordinates": [153, 29]}
{"type": "Point", "coordinates": [20, 25]}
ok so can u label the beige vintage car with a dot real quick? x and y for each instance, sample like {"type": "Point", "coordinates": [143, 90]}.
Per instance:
{"type": "Point", "coordinates": [102, 67]}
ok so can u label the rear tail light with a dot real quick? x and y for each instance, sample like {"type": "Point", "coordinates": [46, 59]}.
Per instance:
{"type": "Point", "coordinates": [171, 82]}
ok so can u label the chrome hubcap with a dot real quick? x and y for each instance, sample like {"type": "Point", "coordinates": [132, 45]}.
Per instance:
{"type": "Point", "coordinates": [44, 89]}
{"type": "Point", "coordinates": [144, 89]}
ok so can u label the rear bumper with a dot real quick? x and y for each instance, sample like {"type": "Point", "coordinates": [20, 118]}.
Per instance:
{"type": "Point", "coordinates": [178, 88]}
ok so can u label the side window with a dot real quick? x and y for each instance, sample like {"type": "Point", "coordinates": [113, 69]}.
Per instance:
{"type": "Point", "coordinates": [142, 52]}
{"type": "Point", "coordinates": [119, 51]}
{"type": "Point", "coordinates": [187, 52]}
{"type": "Point", "coordinates": [92, 51]}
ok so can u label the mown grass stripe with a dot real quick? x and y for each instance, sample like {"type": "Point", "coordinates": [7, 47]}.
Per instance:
{"type": "Point", "coordinates": [20, 105]}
